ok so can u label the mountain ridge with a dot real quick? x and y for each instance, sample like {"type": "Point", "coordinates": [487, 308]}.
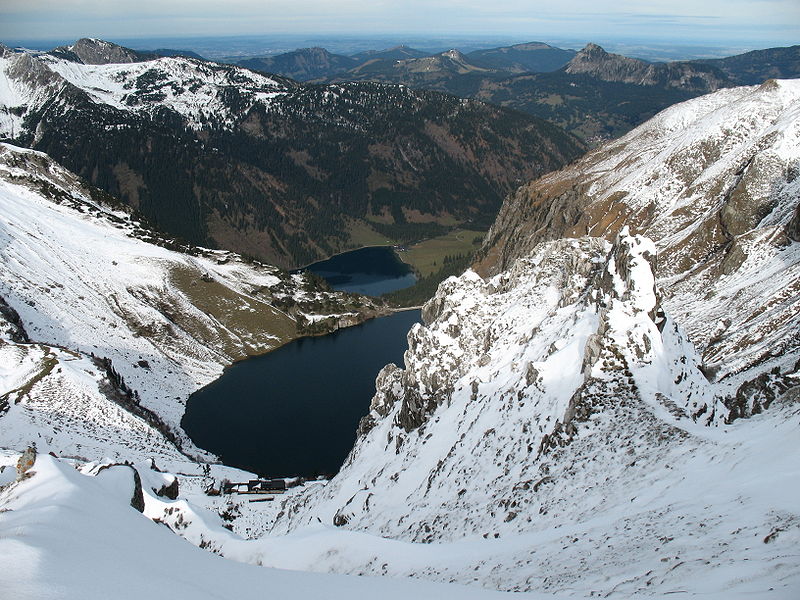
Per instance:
{"type": "Point", "coordinates": [686, 75]}
{"type": "Point", "coordinates": [593, 94]}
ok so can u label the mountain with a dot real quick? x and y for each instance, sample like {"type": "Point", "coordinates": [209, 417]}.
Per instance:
{"type": "Point", "coordinates": [108, 326]}
{"type": "Point", "coordinates": [592, 93]}
{"type": "Point", "coordinates": [91, 51]}
{"type": "Point", "coordinates": [220, 155]}
{"type": "Point", "coordinates": [303, 64]}
{"type": "Point", "coordinates": [694, 77]}
{"type": "Point", "coordinates": [446, 70]}
{"type": "Point", "coordinates": [403, 64]}
{"type": "Point", "coordinates": [612, 410]}
{"type": "Point", "coordinates": [306, 64]}
{"type": "Point", "coordinates": [435, 72]}
{"type": "Point", "coordinates": [598, 95]}
{"type": "Point", "coordinates": [593, 110]}
{"type": "Point", "coordinates": [712, 182]}
{"type": "Point", "coordinates": [532, 57]}
{"type": "Point", "coordinates": [753, 68]}
{"type": "Point", "coordinates": [609, 409]}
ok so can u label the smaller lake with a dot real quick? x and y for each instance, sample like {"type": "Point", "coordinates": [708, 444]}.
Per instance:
{"type": "Point", "coordinates": [295, 410]}
{"type": "Point", "coordinates": [370, 271]}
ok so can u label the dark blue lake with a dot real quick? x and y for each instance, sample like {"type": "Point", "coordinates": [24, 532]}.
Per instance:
{"type": "Point", "coordinates": [295, 411]}
{"type": "Point", "coordinates": [370, 271]}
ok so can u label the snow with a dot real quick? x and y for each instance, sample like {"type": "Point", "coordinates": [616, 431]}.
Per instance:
{"type": "Point", "coordinates": [63, 411]}
{"type": "Point", "coordinates": [58, 523]}
{"type": "Point", "coordinates": [75, 275]}
{"type": "Point", "coordinates": [638, 498]}
{"type": "Point", "coordinates": [194, 89]}
{"type": "Point", "coordinates": [712, 181]}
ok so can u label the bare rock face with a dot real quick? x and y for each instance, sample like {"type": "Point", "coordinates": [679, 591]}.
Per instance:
{"type": "Point", "coordinates": [90, 51]}
{"type": "Point", "coordinates": [793, 227]}
{"type": "Point", "coordinates": [26, 462]}
{"type": "Point", "coordinates": [137, 498]}
{"type": "Point", "coordinates": [595, 61]}
{"type": "Point", "coordinates": [170, 490]}
{"type": "Point", "coordinates": [11, 324]}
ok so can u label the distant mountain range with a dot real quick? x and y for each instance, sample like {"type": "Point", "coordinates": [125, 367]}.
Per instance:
{"type": "Point", "coordinates": [306, 64]}
{"type": "Point", "coordinates": [592, 93]}
{"type": "Point", "coordinates": [302, 65]}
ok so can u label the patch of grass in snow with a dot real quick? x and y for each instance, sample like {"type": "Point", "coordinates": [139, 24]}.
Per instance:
{"type": "Point", "coordinates": [257, 325]}
{"type": "Point", "coordinates": [46, 366]}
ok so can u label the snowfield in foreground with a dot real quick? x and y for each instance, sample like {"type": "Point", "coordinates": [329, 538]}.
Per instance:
{"type": "Point", "coordinates": [65, 535]}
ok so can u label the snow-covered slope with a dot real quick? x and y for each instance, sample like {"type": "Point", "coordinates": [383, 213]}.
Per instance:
{"type": "Point", "coordinates": [85, 277]}
{"type": "Point", "coordinates": [65, 535]}
{"type": "Point", "coordinates": [571, 424]}
{"type": "Point", "coordinates": [714, 183]}
{"type": "Point", "coordinates": [198, 91]}
{"type": "Point", "coordinates": [64, 402]}
{"type": "Point", "coordinates": [560, 410]}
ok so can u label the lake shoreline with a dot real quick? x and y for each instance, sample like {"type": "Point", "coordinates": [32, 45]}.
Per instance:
{"type": "Point", "coordinates": [295, 411]}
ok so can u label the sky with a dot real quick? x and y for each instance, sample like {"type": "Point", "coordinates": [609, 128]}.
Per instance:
{"type": "Point", "coordinates": [745, 22]}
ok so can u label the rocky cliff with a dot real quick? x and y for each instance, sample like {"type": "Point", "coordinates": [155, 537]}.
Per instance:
{"type": "Point", "coordinates": [598, 63]}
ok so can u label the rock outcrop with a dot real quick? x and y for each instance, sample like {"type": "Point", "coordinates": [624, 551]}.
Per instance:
{"type": "Point", "coordinates": [598, 63]}
{"type": "Point", "coordinates": [508, 371]}
{"type": "Point", "coordinates": [91, 51]}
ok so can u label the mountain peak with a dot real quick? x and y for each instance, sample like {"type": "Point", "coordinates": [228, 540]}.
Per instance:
{"type": "Point", "coordinates": [592, 48]}
{"type": "Point", "coordinates": [454, 54]}
{"type": "Point", "coordinates": [592, 52]}
{"type": "Point", "coordinates": [93, 51]}
{"type": "Point", "coordinates": [597, 63]}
